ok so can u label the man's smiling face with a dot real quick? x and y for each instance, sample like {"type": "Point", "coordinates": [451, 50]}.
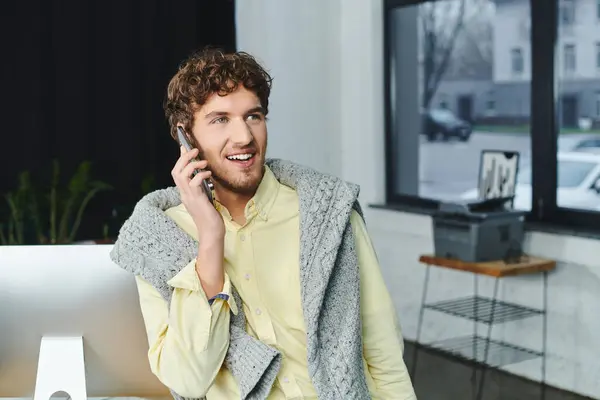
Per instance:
{"type": "Point", "coordinates": [231, 134]}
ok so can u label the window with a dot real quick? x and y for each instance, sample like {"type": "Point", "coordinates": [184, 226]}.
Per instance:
{"type": "Point", "coordinates": [517, 60]}
{"type": "Point", "coordinates": [578, 102]}
{"type": "Point", "coordinates": [443, 101]}
{"type": "Point", "coordinates": [548, 113]}
{"type": "Point", "coordinates": [429, 45]}
{"type": "Point", "coordinates": [567, 12]}
{"type": "Point", "coordinates": [490, 104]}
{"type": "Point", "coordinates": [569, 58]}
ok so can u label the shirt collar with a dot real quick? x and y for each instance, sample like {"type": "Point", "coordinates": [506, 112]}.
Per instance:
{"type": "Point", "coordinates": [261, 203]}
{"type": "Point", "coordinates": [265, 195]}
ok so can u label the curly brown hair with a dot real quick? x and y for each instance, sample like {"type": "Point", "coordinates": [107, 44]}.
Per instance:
{"type": "Point", "coordinates": [212, 71]}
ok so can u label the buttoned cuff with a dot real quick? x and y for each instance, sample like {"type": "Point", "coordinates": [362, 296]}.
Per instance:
{"type": "Point", "coordinates": [188, 279]}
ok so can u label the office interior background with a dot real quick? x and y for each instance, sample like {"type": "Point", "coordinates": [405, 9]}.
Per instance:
{"type": "Point", "coordinates": [353, 82]}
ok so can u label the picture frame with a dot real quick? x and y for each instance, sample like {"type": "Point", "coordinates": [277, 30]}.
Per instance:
{"type": "Point", "coordinates": [498, 171]}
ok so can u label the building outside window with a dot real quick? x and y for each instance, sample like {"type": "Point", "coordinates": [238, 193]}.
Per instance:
{"type": "Point", "coordinates": [455, 54]}
{"type": "Point", "coordinates": [567, 12]}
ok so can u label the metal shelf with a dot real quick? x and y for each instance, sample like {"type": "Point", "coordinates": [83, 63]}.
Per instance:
{"type": "Point", "coordinates": [477, 308]}
{"type": "Point", "coordinates": [472, 348]}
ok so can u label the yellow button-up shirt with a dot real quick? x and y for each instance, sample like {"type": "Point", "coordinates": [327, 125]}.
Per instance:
{"type": "Point", "coordinates": [188, 343]}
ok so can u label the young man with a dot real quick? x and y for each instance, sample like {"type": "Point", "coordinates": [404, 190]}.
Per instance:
{"type": "Point", "coordinates": [273, 292]}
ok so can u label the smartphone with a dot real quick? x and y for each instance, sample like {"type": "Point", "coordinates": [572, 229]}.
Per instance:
{"type": "Point", "coordinates": [206, 184]}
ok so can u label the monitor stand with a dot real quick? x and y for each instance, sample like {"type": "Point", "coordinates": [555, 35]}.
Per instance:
{"type": "Point", "coordinates": [61, 368]}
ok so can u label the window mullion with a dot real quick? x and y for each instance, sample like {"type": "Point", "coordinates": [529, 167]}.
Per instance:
{"type": "Point", "coordinates": [543, 109]}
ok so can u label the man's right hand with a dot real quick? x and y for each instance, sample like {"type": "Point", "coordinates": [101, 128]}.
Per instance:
{"type": "Point", "coordinates": [209, 222]}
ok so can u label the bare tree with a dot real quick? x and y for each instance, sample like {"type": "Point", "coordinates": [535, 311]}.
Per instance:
{"type": "Point", "coordinates": [438, 41]}
{"type": "Point", "coordinates": [442, 23]}
{"type": "Point", "coordinates": [472, 57]}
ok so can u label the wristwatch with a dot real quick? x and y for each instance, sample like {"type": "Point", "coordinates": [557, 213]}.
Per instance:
{"type": "Point", "coordinates": [222, 296]}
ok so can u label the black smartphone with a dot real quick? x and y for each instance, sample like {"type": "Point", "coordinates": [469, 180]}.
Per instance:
{"type": "Point", "coordinates": [206, 184]}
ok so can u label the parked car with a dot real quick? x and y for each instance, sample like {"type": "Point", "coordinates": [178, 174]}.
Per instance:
{"type": "Point", "coordinates": [584, 142]}
{"type": "Point", "coordinates": [578, 183]}
{"type": "Point", "coordinates": [439, 123]}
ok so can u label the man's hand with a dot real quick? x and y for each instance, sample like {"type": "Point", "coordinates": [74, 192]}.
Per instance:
{"type": "Point", "coordinates": [209, 223]}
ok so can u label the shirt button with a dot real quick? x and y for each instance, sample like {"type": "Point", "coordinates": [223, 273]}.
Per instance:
{"type": "Point", "coordinates": [258, 312]}
{"type": "Point", "coordinates": [286, 380]}
{"type": "Point", "coordinates": [247, 276]}
{"type": "Point", "coordinates": [242, 237]}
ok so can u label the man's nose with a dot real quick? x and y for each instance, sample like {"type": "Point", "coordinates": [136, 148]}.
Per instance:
{"type": "Point", "coordinates": [241, 135]}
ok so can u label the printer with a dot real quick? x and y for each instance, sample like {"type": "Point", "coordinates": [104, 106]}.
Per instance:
{"type": "Point", "coordinates": [478, 231]}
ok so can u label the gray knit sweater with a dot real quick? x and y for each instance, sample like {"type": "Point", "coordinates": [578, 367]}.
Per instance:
{"type": "Point", "coordinates": [151, 245]}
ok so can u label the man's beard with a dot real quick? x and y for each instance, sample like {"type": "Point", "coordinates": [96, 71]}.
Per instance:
{"type": "Point", "coordinates": [242, 186]}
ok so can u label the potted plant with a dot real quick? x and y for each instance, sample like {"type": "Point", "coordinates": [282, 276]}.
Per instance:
{"type": "Point", "coordinates": [18, 203]}
{"type": "Point", "coordinates": [51, 216]}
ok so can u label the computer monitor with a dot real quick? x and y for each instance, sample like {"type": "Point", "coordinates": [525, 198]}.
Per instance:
{"type": "Point", "coordinates": [72, 290]}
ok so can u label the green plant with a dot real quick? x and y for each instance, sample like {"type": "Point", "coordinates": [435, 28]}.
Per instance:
{"type": "Point", "coordinates": [105, 231]}
{"type": "Point", "coordinates": [68, 205]}
{"type": "Point", "coordinates": [57, 218]}
{"type": "Point", "coordinates": [19, 202]}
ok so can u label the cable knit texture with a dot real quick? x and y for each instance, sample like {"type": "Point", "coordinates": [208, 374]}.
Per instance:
{"type": "Point", "coordinates": [153, 246]}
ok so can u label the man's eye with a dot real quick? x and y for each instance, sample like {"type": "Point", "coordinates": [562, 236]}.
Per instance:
{"type": "Point", "coordinates": [255, 117]}
{"type": "Point", "coordinates": [220, 120]}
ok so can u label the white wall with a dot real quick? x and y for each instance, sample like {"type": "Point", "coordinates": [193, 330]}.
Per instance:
{"type": "Point", "coordinates": [327, 59]}
{"type": "Point", "coordinates": [305, 106]}
{"type": "Point", "coordinates": [301, 45]}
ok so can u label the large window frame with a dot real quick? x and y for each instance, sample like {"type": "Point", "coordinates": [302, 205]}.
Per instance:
{"type": "Point", "coordinates": [544, 128]}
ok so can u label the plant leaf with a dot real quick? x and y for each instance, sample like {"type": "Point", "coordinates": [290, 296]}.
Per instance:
{"type": "Point", "coordinates": [82, 207]}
